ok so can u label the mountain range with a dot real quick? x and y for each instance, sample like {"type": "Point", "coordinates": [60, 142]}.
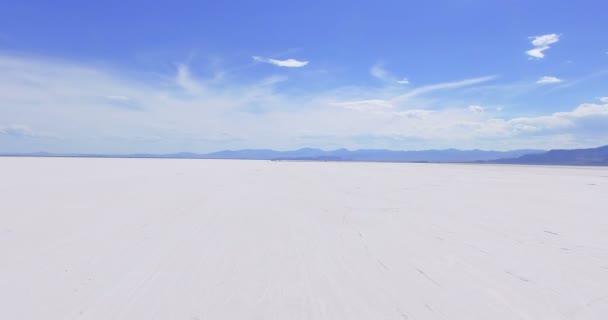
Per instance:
{"type": "Point", "coordinates": [592, 156]}
{"type": "Point", "coordinates": [448, 155]}
{"type": "Point", "coordinates": [587, 157]}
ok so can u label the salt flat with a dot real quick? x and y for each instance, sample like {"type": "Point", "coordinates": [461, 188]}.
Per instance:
{"type": "Point", "coordinates": [213, 239]}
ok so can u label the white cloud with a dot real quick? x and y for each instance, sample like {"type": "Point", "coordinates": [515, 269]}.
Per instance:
{"type": "Point", "coordinates": [443, 86]}
{"type": "Point", "coordinates": [543, 131]}
{"type": "Point", "coordinates": [402, 98]}
{"type": "Point", "coordinates": [541, 44]}
{"type": "Point", "coordinates": [559, 120]}
{"type": "Point", "coordinates": [44, 93]}
{"type": "Point", "coordinates": [413, 114]}
{"type": "Point", "coordinates": [185, 80]}
{"type": "Point", "coordinates": [379, 72]}
{"type": "Point", "coordinates": [289, 63]}
{"type": "Point", "coordinates": [586, 110]}
{"type": "Point", "coordinates": [549, 79]}
{"type": "Point", "coordinates": [545, 40]}
{"type": "Point", "coordinates": [537, 52]}
{"type": "Point", "coordinates": [476, 109]}
{"type": "Point", "coordinates": [255, 114]}
{"type": "Point", "coordinates": [604, 99]}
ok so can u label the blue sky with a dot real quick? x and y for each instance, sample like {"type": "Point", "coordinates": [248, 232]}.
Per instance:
{"type": "Point", "coordinates": [170, 76]}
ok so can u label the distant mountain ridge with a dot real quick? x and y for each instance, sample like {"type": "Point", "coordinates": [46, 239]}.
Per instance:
{"type": "Point", "coordinates": [584, 157]}
{"type": "Point", "coordinates": [447, 155]}
{"type": "Point", "coordinates": [589, 157]}
{"type": "Point", "coordinates": [580, 157]}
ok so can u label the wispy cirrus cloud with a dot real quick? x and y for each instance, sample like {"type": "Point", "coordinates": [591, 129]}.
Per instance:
{"type": "Point", "coordinates": [378, 71]}
{"type": "Point", "coordinates": [185, 80]}
{"type": "Point", "coordinates": [444, 86]}
{"type": "Point", "coordinates": [549, 80]}
{"type": "Point", "coordinates": [411, 94]}
{"type": "Point", "coordinates": [185, 111]}
{"type": "Point", "coordinates": [289, 63]}
{"type": "Point", "coordinates": [541, 44]}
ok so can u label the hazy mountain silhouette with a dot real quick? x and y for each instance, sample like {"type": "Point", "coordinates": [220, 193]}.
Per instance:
{"type": "Point", "coordinates": [588, 157]}
{"type": "Point", "coordinates": [448, 155]}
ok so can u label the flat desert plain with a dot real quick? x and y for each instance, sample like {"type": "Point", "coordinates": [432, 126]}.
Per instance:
{"type": "Point", "coordinates": [214, 239]}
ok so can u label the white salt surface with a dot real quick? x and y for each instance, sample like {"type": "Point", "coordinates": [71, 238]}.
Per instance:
{"type": "Point", "coordinates": [212, 239]}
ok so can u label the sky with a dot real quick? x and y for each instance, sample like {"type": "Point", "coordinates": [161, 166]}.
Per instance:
{"type": "Point", "coordinates": [203, 76]}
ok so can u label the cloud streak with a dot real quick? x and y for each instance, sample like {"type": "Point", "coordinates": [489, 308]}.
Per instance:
{"type": "Point", "coordinates": [402, 98]}
{"type": "Point", "coordinates": [289, 63]}
{"type": "Point", "coordinates": [548, 80]}
{"type": "Point", "coordinates": [379, 72]}
{"type": "Point", "coordinates": [541, 44]}
{"type": "Point", "coordinates": [443, 86]}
